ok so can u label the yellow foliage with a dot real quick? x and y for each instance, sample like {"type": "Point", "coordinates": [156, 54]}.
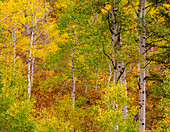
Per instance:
{"type": "Point", "coordinates": [61, 4]}
{"type": "Point", "coordinates": [108, 7]}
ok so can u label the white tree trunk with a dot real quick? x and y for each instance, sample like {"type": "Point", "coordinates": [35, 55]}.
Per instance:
{"type": "Point", "coordinates": [96, 81]}
{"type": "Point", "coordinates": [116, 38]}
{"type": "Point", "coordinates": [123, 81]}
{"type": "Point", "coordinates": [86, 90]}
{"type": "Point", "coordinates": [110, 75]}
{"type": "Point", "coordinates": [30, 60]}
{"type": "Point", "coordinates": [74, 84]}
{"type": "Point", "coordinates": [73, 71]}
{"type": "Point", "coordinates": [73, 77]}
{"type": "Point", "coordinates": [114, 41]}
{"type": "Point", "coordinates": [123, 75]}
{"type": "Point", "coordinates": [14, 42]}
{"type": "Point", "coordinates": [33, 60]}
{"type": "Point", "coordinates": [142, 98]}
{"type": "Point", "coordinates": [29, 65]}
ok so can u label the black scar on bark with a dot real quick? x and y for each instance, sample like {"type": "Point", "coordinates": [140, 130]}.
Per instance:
{"type": "Point", "coordinates": [140, 106]}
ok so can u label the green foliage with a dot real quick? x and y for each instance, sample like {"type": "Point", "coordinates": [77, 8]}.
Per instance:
{"type": "Point", "coordinates": [15, 112]}
{"type": "Point", "coordinates": [113, 101]}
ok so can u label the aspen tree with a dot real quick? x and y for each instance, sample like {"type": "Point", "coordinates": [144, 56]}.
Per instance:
{"type": "Point", "coordinates": [122, 75]}
{"type": "Point", "coordinates": [96, 80]}
{"type": "Point", "coordinates": [85, 93]}
{"type": "Point", "coordinates": [119, 69]}
{"type": "Point", "coordinates": [73, 77]}
{"type": "Point", "coordinates": [73, 72]}
{"type": "Point", "coordinates": [110, 75]}
{"type": "Point", "coordinates": [142, 98]}
{"type": "Point", "coordinates": [14, 44]}
{"type": "Point", "coordinates": [30, 78]}
{"type": "Point", "coordinates": [115, 30]}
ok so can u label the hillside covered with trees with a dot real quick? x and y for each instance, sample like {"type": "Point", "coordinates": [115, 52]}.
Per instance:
{"type": "Point", "coordinates": [78, 65]}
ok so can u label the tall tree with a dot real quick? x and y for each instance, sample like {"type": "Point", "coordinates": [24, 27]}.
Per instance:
{"type": "Point", "coordinates": [142, 54]}
{"type": "Point", "coordinates": [115, 30]}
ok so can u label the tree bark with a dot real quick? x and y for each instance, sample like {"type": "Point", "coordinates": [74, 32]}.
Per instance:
{"type": "Point", "coordinates": [119, 69]}
{"type": "Point", "coordinates": [86, 90]}
{"type": "Point", "coordinates": [73, 72]}
{"type": "Point", "coordinates": [14, 42]}
{"type": "Point", "coordinates": [110, 75]}
{"type": "Point", "coordinates": [73, 77]}
{"type": "Point", "coordinates": [141, 65]}
{"type": "Point", "coordinates": [29, 65]}
{"type": "Point", "coordinates": [96, 80]}
{"type": "Point", "coordinates": [33, 60]}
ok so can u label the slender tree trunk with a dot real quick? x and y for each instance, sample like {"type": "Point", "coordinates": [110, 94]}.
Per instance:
{"type": "Point", "coordinates": [123, 81]}
{"type": "Point", "coordinates": [115, 61]}
{"type": "Point", "coordinates": [122, 75]}
{"type": "Point", "coordinates": [119, 72]}
{"type": "Point", "coordinates": [109, 78]}
{"type": "Point", "coordinates": [14, 42]}
{"type": "Point", "coordinates": [73, 77]}
{"type": "Point", "coordinates": [114, 44]}
{"type": "Point", "coordinates": [33, 60]}
{"type": "Point", "coordinates": [114, 31]}
{"type": "Point", "coordinates": [73, 81]}
{"type": "Point", "coordinates": [110, 75]}
{"type": "Point", "coordinates": [7, 57]}
{"type": "Point", "coordinates": [29, 65]}
{"type": "Point", "coordinates": [86, 90]}
{"type": "Point", "coordinates": [96, 80]}
{"type": "Point", "coordinates": [73, 71]}
{"type": "Point", "coordinates": [142, 98]}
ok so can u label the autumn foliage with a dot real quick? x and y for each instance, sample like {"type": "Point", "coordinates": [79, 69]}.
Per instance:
{"type": "Point", "coordinates": [63, 68]}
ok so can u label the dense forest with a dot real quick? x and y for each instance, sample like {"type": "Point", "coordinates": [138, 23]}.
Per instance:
{"type": "Point", "coordinates": [78, 65]}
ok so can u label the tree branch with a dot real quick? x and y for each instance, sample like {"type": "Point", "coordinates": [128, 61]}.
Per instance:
{"type": "Point", "coordinates": [108, 56]}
